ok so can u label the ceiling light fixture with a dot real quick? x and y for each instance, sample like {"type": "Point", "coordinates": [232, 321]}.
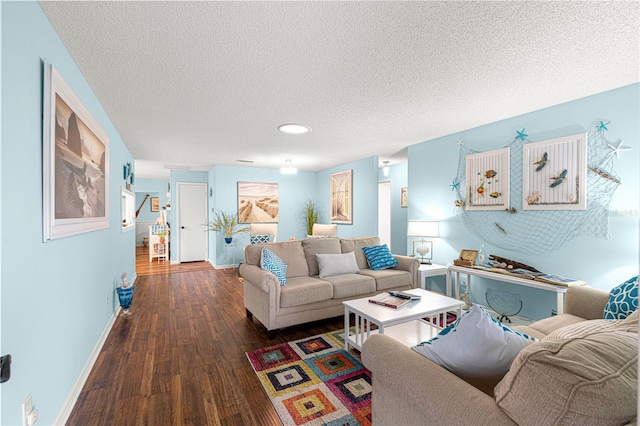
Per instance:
{"type": "Point", "coordinates": [294, 129]}
{"type": "Point", "coordinates": [288, 168]}
{"type": "Point", "coordinates": [176, 167]}
{"type": "Point", "coordinates": [385, 169]}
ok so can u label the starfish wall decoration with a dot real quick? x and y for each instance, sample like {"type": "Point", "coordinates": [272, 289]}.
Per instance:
{"type": "Point", "coordinates": [454, 185]}
{"type": "Point", "coordinates": [602, 126]}
{"type": "Point", "coordinates": [617, 149]}
{"type": "Point", "coordinates": [521, 135]}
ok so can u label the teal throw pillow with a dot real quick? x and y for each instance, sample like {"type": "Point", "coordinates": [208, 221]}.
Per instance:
{"type": "Point", "coordinates": [260, 238]}
{"type": "Point", "coordinates": [623, 300]}
{"type": "Point", "coordinates": [271, 262]}
{"type": "Point", "coordinates": [379, 257]}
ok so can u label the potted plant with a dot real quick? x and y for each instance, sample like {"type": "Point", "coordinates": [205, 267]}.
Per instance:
{"type": "Point", "coordinates": [310, 214]}
{"type": "Point", "coordinates": [226, 223]}
{"type": "Point", "coordinates": [162, 235]}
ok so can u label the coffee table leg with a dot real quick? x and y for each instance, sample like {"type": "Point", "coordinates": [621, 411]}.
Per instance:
{"type": "Point", "coordinates": [346, 328]}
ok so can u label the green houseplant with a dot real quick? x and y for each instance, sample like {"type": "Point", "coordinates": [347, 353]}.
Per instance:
{"type": "Point", "coordinates": [226, 223]}
{"type": "Point", "coordinates": [310, 214]}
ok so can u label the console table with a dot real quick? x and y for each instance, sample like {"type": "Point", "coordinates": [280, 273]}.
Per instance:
{"type": "Point", "coordinates": [455, 271]}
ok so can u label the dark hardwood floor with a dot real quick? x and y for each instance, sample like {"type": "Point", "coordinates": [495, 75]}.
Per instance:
{"type": "Point", "coordinates": [179, 359]}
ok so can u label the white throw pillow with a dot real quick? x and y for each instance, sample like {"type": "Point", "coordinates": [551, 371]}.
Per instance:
{"type": "Point", "coordinates": [337, 264]}
{"type": "Point", "coordinates": [475, 345]}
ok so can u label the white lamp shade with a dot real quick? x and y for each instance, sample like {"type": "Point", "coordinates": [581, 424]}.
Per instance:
{"type": "Point", "coordinates": [423, 228]}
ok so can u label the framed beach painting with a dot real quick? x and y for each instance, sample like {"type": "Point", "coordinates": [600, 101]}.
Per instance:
{"type": "Point", "coordinates": [155, 204]}
{"type": "Point", "coordinates": [342, 197]}
{"type": "Point", "coordinates": [75, 163]}
{"type": "Point", "coordinates": [554, 174]}
{"type": "Point", "coordinates": [257, 202]}
{"type": "Point", "coordinates": [487, 180]}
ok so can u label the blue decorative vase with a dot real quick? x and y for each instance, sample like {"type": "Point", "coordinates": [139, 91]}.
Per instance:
{"type": "Point", "coordinates": [228, 240]}
{"type": "Point", "coordinates": [125, 296]}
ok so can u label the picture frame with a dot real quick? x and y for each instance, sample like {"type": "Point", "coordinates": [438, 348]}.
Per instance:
{"type": "Point", "coordinates": [404, 200]}
{"type": "Point", "coordinates": [155, 204]}
{"type": "Point", "coordinates": [258, 202]}
{"type": "Point", "coordinates": [487, 180]}
{"type": "Point", "coordinates": [127, 209]}
{"type": "Point", "coordinates": [554, 174]}
{"type": "Point", "coordinates": [341, 208]}
{"type": "Point", "coordinates": [75, 163]}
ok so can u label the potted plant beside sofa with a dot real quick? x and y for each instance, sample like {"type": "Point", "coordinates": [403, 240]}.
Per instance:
{"type": "Point", "coordinates": [226, 223]}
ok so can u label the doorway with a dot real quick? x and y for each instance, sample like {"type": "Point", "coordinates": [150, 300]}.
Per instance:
{"type": "Point", "coordinates": [384, 212]}
{"type": "Point", "coordinates": [192, 218]}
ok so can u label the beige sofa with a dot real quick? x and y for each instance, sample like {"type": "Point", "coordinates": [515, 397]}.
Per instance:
{"type": "Point", "coordinates": [307, 297]}
{"type": "Point", "coordinates": [583, 371]}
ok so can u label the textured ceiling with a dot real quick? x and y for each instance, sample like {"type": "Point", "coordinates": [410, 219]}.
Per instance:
{"type": "Point", "coordinates": [207, 83]}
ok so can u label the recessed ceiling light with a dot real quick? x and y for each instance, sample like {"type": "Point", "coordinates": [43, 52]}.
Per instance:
{"type": "Point", "coordinates": [294, 129]}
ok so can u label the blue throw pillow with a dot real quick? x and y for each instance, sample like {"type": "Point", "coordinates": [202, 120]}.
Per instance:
{"type": "Point", "coordinates": [623, 300]}
{"type": "Point", "coordinates": [379, 257]}
{"type": "Point", "coordinates": [260, 238]}
{"type": "Point", "coordinates": [272, 263]}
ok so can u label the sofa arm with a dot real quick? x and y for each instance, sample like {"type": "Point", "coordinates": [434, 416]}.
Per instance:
{"type": "Point", "coordinates": [409, 264]}
{"type": "Point", "coordinates": [409, 389]}
{"type": "Point", "coordinates": [264, 280]}
{"type": "Point", "coordinates": [586, 302]}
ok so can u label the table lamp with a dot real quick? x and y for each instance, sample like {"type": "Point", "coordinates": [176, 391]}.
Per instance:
{"type": "Point", "coordinates": [423, 249]}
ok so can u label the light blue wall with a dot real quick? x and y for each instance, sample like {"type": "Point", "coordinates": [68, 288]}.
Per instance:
{"type": "Point", "coordinates": [365, 196]}
{"type": "Point", "coordinates": [293, 191]}
{"type": "Point", "coordinates": [57, 297]}
{"type": "Point", "coordinates": [602, 263]}
{"type": "Point", "coordinates": [398, 176]}
{"type": "Point", "coordinates": [155, 188]}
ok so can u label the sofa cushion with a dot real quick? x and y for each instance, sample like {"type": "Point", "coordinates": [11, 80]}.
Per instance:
{"type": "Point", "coordinates": [272, 263]}
{"type": "Point", "coordinates": [304, 290]}
{"type": "Point", "coordinates": [475, 345]}
{"type": "Point", "coordinates": [389, 278]}
{"type": "Point", "coordinates": [379, 257]}
{"type": "Point", "coordinates": [336, 264]}
{"type": "Point", "coordinates": [351, 285]}
{"type": "Point", "coordinates": [312, 247]}
{"type": "Point", "coordinates": [590, 380]}
{"type": "Point", "coordinates": [585, 328]}
{"type": "Point", "coordinates": [623, 300]}
{"type": "Point", "coordinates": [547, 325]}
{"type": "Point", "coordinates": [290, 252]}
{"type": "Point", "coordinates": [355, 245]}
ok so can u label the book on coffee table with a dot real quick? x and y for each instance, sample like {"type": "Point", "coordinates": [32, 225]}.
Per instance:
{"type": "Point", "coordinates": [385, 299]}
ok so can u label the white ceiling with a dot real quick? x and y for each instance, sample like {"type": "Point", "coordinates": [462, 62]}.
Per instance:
{"type": "Point", "coordinates": [207, 83]}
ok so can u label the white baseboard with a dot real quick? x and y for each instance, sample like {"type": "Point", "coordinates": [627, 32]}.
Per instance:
{"type": "Point", "coordinates": [72, 398]}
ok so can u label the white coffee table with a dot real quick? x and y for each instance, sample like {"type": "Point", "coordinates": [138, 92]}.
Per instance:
{"type": "Point", "coordinates": [405, 324]}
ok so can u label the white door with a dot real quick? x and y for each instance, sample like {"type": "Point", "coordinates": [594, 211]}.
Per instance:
{"type": "Point", "coordinates": [192, 219]}
{"type": "Point", "coordinates": [384, 213]}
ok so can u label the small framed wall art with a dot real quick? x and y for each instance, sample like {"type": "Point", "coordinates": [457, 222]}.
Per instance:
{"type": "Point", "coordinates": [487, 180]}
{"type": "Point", "coordinates": [404, 200]}
{"type": "Point", "coordinates": [554, 174]}
{"type": "Point", "coordinates": [155, 204]}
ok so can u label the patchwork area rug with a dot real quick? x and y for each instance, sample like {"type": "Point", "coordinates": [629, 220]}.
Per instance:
{"type": "Point", "coordinates": [314, 381]}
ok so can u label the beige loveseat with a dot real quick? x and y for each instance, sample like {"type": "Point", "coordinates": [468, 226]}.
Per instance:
{"type": "Point", "coordinates": [306, 297]}
{"type": "Point", "coordinates": [583, 371]}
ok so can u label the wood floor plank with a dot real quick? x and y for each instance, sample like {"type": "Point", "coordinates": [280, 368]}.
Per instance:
{"type": "Point", "coordinates": [179, 359]}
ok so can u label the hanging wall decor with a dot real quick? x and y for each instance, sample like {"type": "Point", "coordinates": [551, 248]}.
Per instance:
{"type": "Point", "coordinates": [554, 174]}
{"type": "Point", "coordinates": [75, 163]}
{"type": "Point", "coordinates": [404, 197]}
{"type": "Point", "coordinates": [487, 180]}
{"type": "Point", "coordinates": [341, 198]}
{"type": "Point", "coordinates": [527, 230]}
{"type": "Point", "coordinates": [258, 202]}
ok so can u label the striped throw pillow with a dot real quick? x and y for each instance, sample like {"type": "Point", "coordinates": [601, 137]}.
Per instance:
{"type": "Point", "coordinates": [379, 257]}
